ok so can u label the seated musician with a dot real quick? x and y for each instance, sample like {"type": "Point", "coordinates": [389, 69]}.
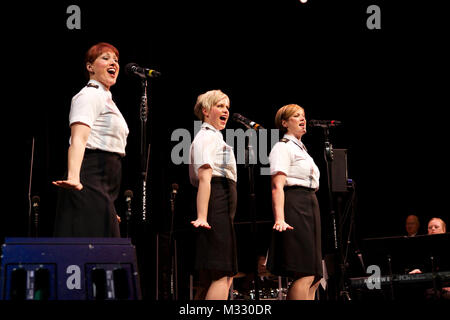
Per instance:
{"type": "Point", "coordinates": [435, 226]}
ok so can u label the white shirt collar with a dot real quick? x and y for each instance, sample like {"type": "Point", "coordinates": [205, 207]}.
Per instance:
{"type": "Point", "coordinates": [99, 84]}
{"type": "Point", "coordinates": [209, 126]}
{"type": "Point", "coordinates": [294, 139]}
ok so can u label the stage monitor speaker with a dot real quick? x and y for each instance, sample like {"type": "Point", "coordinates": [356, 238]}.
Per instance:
{"type": "Point", "coordinates": [339, 174]}
{"type": "Point", "coordinates": [69, 269]}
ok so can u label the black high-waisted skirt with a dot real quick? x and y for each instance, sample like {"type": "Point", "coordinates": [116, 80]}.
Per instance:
{"type": "Point", "coordinates": [298, 252]}
{"type": "Point", "coordinates": [90, 212]}
{"type": "Point", "coordinates": [216, 248]}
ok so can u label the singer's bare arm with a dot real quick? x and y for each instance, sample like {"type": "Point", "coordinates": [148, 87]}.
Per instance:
{"type": "Point", "coordinates": [79, 135]}
{"type": "Point", "coordinates": [203, 194]}
{"type": "Point", "coordinates": [278, 180]}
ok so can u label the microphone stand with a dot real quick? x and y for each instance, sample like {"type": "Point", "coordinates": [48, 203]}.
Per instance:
{"type": "Point", "coordinates": [329, 157]}
{"type": "Point", "coordinates": [128, 218]}
{"type": "Point", "coordinates": [36, 201]}
{"type": "Point", "coordinates": [173, 251]}
{"type": "Point", "coordinates": [252, 205]}
{"type": "Point", "coordinates": [391, 277]}
{"type": "Point", "coordinates": [143, 153]}
{"type": "Point", "coordinates": [144, 214]}
{"type": "Point", "coordinates": [30, 204]}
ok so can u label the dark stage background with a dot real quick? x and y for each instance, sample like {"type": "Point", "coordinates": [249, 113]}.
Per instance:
{"type": "Point", "coordinates": [382, 84]}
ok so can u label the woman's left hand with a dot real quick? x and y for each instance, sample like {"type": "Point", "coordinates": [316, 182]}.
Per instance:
{"type": "Point", "coordinates": [69, 184]}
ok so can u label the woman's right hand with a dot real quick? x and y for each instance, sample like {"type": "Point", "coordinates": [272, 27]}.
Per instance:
{"type": "Point", "coordinates": [281, 226]}
{"type": "Point", "coordinates": [201, 223]}
{"type": "Point", "coordinates": [79, 136]}
{"type": "Point", "coordinates": [70, 184]}
{"type": "Point", "coordinates": [415, 271]}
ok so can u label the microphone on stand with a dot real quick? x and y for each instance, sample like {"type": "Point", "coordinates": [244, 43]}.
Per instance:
{"type": "Point", "coordinates": [173, 246]}
{"type": "Point", "coordinates": [324, 123]}
{"type": "Point", "coordinates": [134, 69]}
{"type": "Point", "coordinates": [35, 201]}
{"type": "Point", "coordinates": [246, 122]}
{"type": "Point", "coordinates": [128, 194]}
{"type": "Point", "coordinates": [173, 194]}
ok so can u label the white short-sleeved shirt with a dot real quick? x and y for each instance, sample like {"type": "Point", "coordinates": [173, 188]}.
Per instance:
{"type": "Point", "coordinates": [94, 106]}
{"type": "Point", "coordinates": [209, 148]}
{"type": "Point", "coordinates": [292, 159]}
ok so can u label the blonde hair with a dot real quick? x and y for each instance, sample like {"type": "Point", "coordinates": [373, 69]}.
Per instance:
{"type": "Point", "coordinates": [284, 113]}
{"type": "Point", "coordinates": [207, 100]}
{"type": "Point", "coordinates": [443, 225]}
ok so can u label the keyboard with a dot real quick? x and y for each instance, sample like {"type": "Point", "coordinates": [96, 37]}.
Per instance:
{"type": "Point", "coordinates": [416, 278]}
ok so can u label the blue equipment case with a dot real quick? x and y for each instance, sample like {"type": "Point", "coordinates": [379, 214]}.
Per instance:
{"type": "Point", "coordinates": [69, 269]}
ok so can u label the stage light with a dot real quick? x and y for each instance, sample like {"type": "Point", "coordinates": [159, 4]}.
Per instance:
{"type": "Point", "coordinates": [303, 1]}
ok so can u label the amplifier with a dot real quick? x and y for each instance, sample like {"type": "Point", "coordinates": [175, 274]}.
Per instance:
{"type": "Point", "coordinates": [339, 172]}
{"type": "Point", "coordinates": [69, 269]}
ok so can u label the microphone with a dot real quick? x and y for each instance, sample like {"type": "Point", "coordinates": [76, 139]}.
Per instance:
{"type": "Point", "coordinates": [35, 203]}
{"type": "Point", "coordinates": [128, 194]}
{"type": "Point", "coordinates": [246, 122]}
{"type": "Point", "coordinates": [174, 190]}
{"type": "Point", "coordinates": [324, 123]}
{"type": "Point", "coordinates": [134, 69]}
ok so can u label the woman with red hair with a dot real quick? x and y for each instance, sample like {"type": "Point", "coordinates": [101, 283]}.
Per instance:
{"type": "Point", "coordinates": [97, 144]}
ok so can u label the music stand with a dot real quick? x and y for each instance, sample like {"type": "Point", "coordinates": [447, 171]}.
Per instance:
{"type": "Point", "coordinates": [407, 253]}
{"type": "Point", "coordinates": [401, 254]}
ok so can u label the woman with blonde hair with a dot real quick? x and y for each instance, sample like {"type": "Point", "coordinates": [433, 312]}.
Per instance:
{"type": "Point", "coordinates": [212, 170]}
{"type": "Point", "coordinates": [436, 226]}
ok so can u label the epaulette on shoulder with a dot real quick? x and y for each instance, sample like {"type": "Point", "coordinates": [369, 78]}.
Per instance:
{"type": "Point", "coordinates": [91, 85]}
{"type": "Point", "coordinates": [285, 140]}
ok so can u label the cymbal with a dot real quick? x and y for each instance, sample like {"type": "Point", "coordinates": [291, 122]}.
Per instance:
{"type": "Point", "coordinates": [240, 275]}
{"type": "Point", "coordinates": [265, 274]}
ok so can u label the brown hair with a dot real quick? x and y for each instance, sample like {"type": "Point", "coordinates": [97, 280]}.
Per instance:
{"type": "Point", "coordinates": [284, 113]}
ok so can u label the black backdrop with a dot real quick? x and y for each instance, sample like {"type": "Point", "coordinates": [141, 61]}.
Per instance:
{"type": "Point", "coordinates": [384, 85]}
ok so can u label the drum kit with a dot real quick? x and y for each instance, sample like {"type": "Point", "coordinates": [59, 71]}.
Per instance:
{"type": "Point", "coordinates": [270, 287]}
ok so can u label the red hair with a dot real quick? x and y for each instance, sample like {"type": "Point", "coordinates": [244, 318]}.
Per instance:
{"type": "Point", "coordinates": [96, 50]}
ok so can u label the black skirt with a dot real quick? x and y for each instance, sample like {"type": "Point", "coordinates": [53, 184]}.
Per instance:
{"type": "Point", "coordinates": [90, 212]}
{"type": "Point", "coordinates": [216, 248]}
{"type": "Point", "coordinates": [298, 252]}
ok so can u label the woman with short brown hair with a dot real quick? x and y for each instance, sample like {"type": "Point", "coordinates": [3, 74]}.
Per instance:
{"type": "Point", "coordinates": [295, 250]}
